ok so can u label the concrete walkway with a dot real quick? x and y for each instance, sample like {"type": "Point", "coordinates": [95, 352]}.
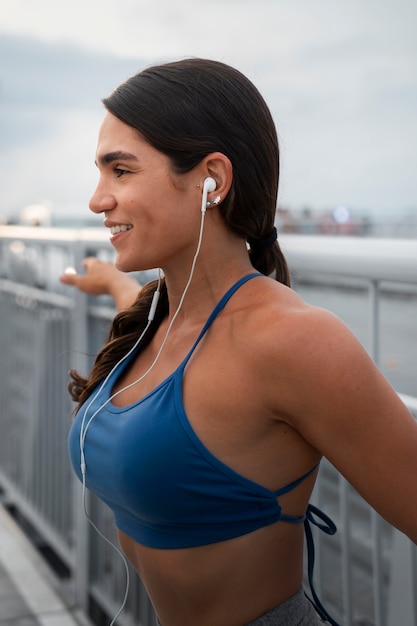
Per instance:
{"type": "Point", "coordinates": [27, 596]}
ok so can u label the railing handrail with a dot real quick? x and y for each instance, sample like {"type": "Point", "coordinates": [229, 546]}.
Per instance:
{"type": "Point", "coordinates": [362, 257]}
{"type": "Point", "coordinates": [44, 234]}
{"type": "Point", "coordinates": [367, 258]}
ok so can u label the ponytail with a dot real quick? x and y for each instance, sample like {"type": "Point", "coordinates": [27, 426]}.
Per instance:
{"type": "Point", "coordinates": [266, 256]}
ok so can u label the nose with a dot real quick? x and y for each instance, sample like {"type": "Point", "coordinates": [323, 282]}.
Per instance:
{"type": "Point", "coordinates": [101, 201]}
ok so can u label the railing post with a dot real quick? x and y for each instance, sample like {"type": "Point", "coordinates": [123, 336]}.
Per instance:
{"type": "Point", "coordinates": [402, 597]}
{"type": "Point", "coordinates": [374, 347]}
{"type": "Point", "coordinates": [79, 333]}
{"type": "Point", "coordinates": [379, 613]}
{"type": "Point", "coordinates": [346, 550]}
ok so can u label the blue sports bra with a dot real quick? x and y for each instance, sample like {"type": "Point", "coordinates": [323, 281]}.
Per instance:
{"type": "Point", "coordinates": [166, 489]}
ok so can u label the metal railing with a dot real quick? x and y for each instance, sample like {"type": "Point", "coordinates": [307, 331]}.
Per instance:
{"type": "Point", "coordinates": [366, 573]}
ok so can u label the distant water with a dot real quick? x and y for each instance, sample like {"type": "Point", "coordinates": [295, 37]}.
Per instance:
{"type": "Point", "coordinates": [398, 323]}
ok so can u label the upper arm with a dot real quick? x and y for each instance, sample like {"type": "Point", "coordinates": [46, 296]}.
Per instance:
{"type": "Point", "coordinates": [338, 400]}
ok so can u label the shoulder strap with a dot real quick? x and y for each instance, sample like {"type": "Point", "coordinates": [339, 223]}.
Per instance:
{"type": "Point", "coordinates": [219, 306]}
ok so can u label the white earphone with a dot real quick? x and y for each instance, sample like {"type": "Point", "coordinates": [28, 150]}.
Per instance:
{"type": "Point", "coordinates": [208, 185]}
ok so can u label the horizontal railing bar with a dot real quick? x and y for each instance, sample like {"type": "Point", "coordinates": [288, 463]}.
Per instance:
{"type": "Point", "coordinates": [375, 259]}
{"type": "Point", "coordinates": [410, 402]}
{"type": "Point", "coordinates": [34, 293]}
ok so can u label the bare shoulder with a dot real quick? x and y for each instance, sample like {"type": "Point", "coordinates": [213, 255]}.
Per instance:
{"type": "Point", "coordinates": [296, 349]}
{"type": "Point", "coordinates": [280, 323]}
{"type": "Point", "coordinates": [306, 358]}
{"type": "Point", "coordinates": [313, 373]}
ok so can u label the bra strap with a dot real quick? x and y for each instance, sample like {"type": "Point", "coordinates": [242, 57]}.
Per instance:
{"type": "Point", "coordinates": [295, 519]}
{"type": "Point", "coordinates": [295, 483]}
{"type": "Point", "coordinates": [219, 306]}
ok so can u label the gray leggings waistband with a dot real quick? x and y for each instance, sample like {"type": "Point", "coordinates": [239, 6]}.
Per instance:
{"type": "Point", "coordinates": [296, 611]}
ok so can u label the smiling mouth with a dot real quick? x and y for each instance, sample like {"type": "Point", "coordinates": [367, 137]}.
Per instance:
{"type": "Point", "coordinates": [120, 228]}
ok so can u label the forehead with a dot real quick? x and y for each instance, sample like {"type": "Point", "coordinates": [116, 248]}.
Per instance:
{"type": "Point", "coordinates": [118, 141]}
{"type": "Point", "coordinates": [113, 131]}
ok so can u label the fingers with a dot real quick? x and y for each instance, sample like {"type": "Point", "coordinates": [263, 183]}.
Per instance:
{"type": "Point", "coordinates": [103, 278]}
{"type": "Point", "coordinates": [92, 262]}
{"type": "Point", "coordinates": [97, 278]}
{"type": "Point", "coordinates": [69, 277]}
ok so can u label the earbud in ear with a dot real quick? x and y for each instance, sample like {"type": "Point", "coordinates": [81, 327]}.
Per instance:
{"type": "Point", "coordinates": [209, 184]}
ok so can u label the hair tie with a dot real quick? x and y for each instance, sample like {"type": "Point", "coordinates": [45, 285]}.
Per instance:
{"type": "Point", "coordinates": [258, 245]}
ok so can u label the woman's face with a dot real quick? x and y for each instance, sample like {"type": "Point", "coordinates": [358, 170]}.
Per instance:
{"type": "Point", "coordinates": [152, 212]}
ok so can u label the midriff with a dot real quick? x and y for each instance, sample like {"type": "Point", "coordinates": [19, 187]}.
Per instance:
{"type": "Point", "coordinates": [223, 584]}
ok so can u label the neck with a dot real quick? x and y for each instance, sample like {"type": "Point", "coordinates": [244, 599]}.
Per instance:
{"type": "Point", "coordinates": [215, 271]}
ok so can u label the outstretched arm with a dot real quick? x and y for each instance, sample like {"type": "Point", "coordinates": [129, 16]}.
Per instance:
{"type": "Point", "coordinates": [103, 278]}
{"type": "Point", "coordinates": [338, 400]}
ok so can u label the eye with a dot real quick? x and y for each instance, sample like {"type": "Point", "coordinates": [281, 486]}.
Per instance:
{"type": "Point", "coordinates": [119, 172]}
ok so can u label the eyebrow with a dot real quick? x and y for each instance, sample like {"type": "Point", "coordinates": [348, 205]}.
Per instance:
{"type": "Point", "coordinates": [118, 155]}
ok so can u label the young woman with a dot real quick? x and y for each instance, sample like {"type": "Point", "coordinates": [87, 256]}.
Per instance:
{"type": "Point", "coordinates": [203, 422]}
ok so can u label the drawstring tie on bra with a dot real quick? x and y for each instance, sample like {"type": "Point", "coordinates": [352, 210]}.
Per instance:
{"type": "Point", "coordinates": [328, 527]}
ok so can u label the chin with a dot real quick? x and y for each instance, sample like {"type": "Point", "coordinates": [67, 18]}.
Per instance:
{"type": "Point", "coordinates": [126, 266]}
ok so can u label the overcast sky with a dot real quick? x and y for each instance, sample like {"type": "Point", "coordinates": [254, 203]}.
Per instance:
{"type": "Point", "coordinates": [340, 78]}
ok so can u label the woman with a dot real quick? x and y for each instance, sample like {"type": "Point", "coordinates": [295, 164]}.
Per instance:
{"type": "Point", "coordinates": [203, 422]}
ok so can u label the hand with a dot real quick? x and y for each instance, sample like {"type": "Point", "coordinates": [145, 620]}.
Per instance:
{"type": "Point", "coordinates": [103, 278]}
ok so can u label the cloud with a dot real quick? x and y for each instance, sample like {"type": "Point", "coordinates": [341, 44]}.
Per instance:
{"type": "Point", "coordinates": [56, 167]}
{"type": "Point", "coordinates": [340, 79]}
{"type": "Point", "coordinates": [42, 74]}
{"type": "Point", "coordinates": [40, 80]}
{"type": "Point", "coordinates": [50, 111]}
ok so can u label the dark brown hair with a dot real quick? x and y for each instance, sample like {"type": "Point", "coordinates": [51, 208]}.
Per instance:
{"type": "Point", "coordinates": [188, 109]}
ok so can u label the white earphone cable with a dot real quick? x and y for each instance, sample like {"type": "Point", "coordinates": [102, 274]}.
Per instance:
{"type": "Point", "coordinates": [85, 425]}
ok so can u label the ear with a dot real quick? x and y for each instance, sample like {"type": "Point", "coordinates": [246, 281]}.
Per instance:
{"type": "Point", "coordinates": [218, 166]}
